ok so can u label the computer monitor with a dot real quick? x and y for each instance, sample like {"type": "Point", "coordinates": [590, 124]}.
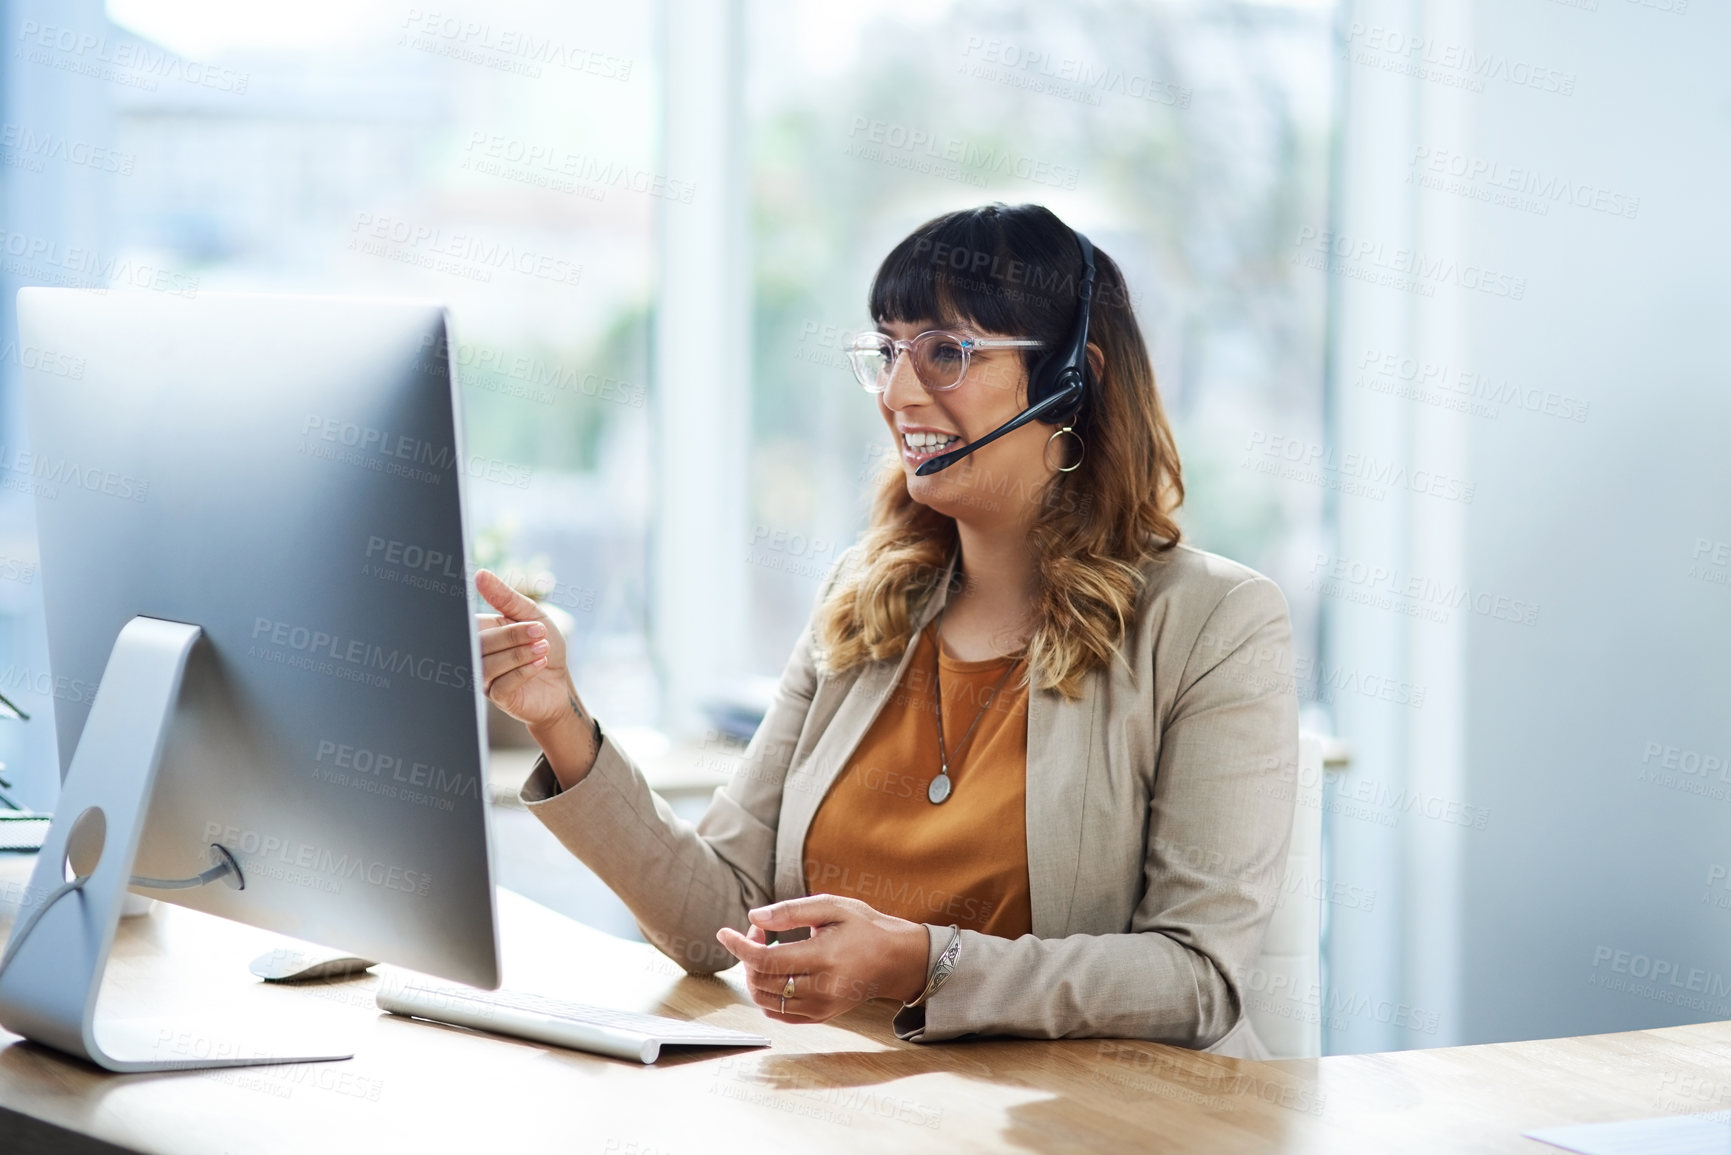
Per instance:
{"type": "Point", "coordinates": [253, 561]}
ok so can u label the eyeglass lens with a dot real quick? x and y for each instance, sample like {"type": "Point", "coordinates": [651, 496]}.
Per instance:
{"type": "Point", "coordinates": [939, 360]}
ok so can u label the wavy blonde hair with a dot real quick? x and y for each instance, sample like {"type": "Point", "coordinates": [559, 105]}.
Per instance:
{"type": "Point", "coordinates": [1016, 270]}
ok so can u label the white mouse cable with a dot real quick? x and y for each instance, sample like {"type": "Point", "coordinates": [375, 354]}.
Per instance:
{"type": "Point", "coordinates": [222, 869]}
{"type": "Point", "coordinates": [226, 866]}
{"type": "Point", "coordinates": [35, 916]}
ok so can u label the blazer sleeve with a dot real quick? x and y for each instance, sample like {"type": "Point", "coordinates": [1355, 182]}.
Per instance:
{"type": "Point", "coordinates": [682, 882]}
{"type": "Point", "coordinates": [1219, 822]}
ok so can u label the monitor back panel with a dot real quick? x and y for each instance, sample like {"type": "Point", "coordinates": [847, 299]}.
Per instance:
{"type": "Point", "coordinates": [286, 473]}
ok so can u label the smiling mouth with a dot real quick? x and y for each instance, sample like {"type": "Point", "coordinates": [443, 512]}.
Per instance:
{"type": "Point", "coordinates": [919, 446]}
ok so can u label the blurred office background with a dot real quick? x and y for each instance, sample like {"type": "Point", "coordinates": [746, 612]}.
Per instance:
{"type": "Point", "coordinates": [1433, 291]}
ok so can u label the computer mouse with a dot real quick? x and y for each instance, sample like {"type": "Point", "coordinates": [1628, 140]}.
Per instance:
{"type": "Point", "coordinates": [293, 965]}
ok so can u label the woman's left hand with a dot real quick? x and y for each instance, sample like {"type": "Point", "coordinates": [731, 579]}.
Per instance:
{"type": "Point", "coordinates": [854, 953]}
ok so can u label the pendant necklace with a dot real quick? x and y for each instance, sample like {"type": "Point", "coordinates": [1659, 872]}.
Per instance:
{"type": "Point", "coordinates": [940, 787]}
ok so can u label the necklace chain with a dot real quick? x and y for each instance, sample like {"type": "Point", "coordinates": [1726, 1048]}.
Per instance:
{"type": "Point", "coordinates": [937, 678]}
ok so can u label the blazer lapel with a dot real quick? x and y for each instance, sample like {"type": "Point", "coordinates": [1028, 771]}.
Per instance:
{"type": "Point", "coordinates": [1060, 752]}
{"type": "Point", "coordinates": [863, 698]}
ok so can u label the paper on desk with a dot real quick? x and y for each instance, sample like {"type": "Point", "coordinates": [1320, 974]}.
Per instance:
{"type": "Point", "coordinates": [1708, 1134]}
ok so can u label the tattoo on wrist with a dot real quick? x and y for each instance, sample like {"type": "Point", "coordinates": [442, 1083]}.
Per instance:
{"type": "Point", "coordinates": [593, 725]}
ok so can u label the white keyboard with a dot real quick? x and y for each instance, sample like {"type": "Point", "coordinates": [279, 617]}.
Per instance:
{"type": "Point", "coordinates": [601, 1030]}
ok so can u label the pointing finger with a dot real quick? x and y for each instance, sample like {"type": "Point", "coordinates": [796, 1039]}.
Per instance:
{"type": "Point", "coordinates": [513, 605]}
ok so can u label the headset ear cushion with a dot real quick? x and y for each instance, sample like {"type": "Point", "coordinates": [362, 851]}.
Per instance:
{"type": "Point", "coordinates": [1071, 411]}
{"type": "Point", "coordinates": [1040, 378]}
{"type": "Point", "coordinates": [1054, 377]}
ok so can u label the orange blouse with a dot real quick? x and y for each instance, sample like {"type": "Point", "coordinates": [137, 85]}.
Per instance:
{"type": "Point", "coordinates": [877, 837]}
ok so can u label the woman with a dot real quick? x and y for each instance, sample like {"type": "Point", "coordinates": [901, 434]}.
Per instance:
{"type": "Point", "coordinates": [1088, 838]}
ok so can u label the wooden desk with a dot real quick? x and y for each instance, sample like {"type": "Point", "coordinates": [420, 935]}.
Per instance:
{"type": "Point", "coordinates": [846, 1086]}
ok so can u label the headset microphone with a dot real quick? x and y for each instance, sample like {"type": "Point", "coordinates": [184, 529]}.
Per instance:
{"type": "Point", "coordinates": [1057, 385]}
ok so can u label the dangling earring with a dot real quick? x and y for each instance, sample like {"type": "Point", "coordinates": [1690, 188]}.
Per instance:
{"type": "Point", "coordinates": [1081, 448]}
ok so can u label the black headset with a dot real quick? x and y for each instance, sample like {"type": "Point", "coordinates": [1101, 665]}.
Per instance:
{"type": "Point", "coordinates": [1059, 383]}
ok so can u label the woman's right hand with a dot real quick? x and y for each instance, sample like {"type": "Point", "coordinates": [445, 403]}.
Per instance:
{"type": "Point", "coordinates": [522, 655]}
{"type": "Point", "coordinates": [523, 672]}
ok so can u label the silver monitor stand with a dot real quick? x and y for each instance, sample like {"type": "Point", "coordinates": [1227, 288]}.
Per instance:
{"type": "Point", "coordinates": [48, 991]}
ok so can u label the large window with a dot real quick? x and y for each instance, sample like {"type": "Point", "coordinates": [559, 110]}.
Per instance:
{"type": "Point", "coordinates": [498, 157]}
{"type": "Point", "coordinates": [1187, 140]}
{"type": "Point", "coordinates": [537, 167]}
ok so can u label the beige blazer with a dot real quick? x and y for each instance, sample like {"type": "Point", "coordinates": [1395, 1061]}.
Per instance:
{"type": "Point", "coordinates": [1157, 824]}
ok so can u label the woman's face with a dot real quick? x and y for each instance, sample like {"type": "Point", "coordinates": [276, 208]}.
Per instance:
{"type": "Point", "coordinates": [1000, 484]}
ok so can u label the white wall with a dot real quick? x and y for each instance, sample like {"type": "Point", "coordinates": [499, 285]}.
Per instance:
{"type": "Point", "coordinates": [1544, 854]}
